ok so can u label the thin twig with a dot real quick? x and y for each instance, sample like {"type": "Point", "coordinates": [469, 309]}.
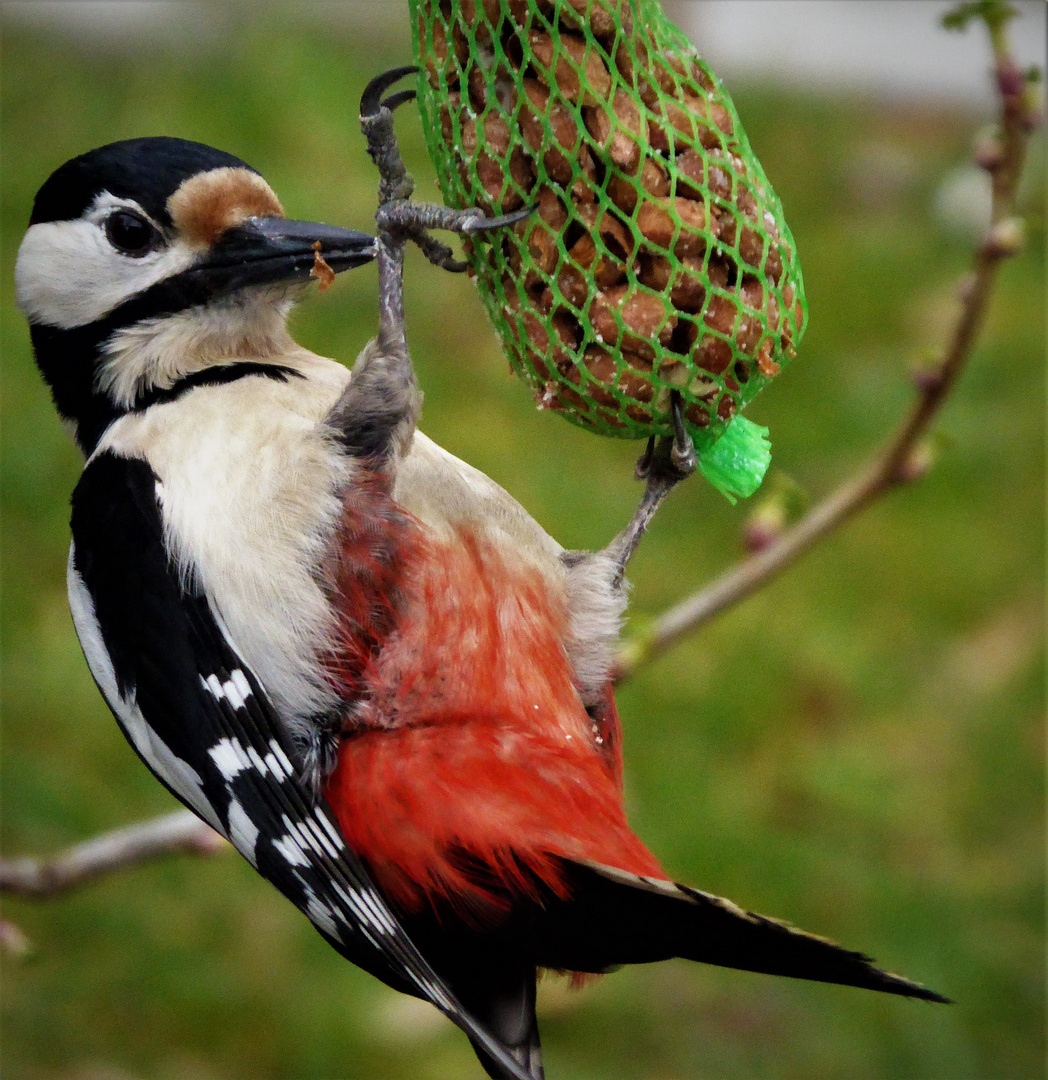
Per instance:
{"type": "Point", "coordinates": [180, 831]}
{"type": "Point", "coordinates": [897, 462]}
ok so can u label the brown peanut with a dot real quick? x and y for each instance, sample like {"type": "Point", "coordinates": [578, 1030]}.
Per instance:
{"type": "Point", "coordinates": [688, 292]}
{"type": "Point", "coordinates": [533, 121]}
{"type": "Point", "coordinates": [620, 131]}
{"type": "Point", "coordinates": [644, 319]}
{"type": "Point", "coordinates": [654, 179]}
{"type": "Point", "coordinates": [713, 355]}
{"type": "Point", "coordinates": [571, 57]}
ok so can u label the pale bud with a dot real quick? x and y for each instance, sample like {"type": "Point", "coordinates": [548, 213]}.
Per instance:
{"type": "Point", "coordinates": [1005, 238]}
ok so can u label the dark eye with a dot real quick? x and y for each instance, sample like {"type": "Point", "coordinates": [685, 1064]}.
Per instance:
{"type": "Point", "coordinates": [130, 234]}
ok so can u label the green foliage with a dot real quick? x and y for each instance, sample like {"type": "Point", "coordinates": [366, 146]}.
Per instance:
{"type": "Point", "coordinates": [857, 748]}
{"type": "Point", "coordinates": [995, 13]}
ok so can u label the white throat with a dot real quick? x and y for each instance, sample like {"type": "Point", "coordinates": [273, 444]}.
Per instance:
{"type": "Point", "coordinates": [156, 353]}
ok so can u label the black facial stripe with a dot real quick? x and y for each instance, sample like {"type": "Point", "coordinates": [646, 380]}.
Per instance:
{"type": "Point", "coordinates": [69, 359]}
{"type": "Point", "coordinates": [213, 376]}
{"type": "Point", "coordinates": [168, 296]}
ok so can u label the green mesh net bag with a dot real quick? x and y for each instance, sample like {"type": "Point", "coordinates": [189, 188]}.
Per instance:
{"type": "Point", "coordinates": [657, 258]}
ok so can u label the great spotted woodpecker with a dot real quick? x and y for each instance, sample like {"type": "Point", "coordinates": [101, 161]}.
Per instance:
{"type": "Point", "coordinates": [349, 652]}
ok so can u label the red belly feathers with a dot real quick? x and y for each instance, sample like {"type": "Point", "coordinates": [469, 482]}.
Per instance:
{"type": "Point", "coordinates": [472, 747]}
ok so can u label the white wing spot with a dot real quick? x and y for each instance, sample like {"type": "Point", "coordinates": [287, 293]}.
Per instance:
{"type": "Point", "coordinates": [325, 843]}
{"type": "Point", "coordinates": [236, 689]}
{"type": "Point", "coordinates": [257, 760]}
{"type": "Point", "coordinates": [238, 685]}
{"type": "Point", "coordinates": [284, 760]}
{"type": "Point", "coordinates": [211, 683]}
{"type": "Point", "coordinates": [367, 907]}
{"type": "Point", "coordinates": [291, 850]}
{"type": "Point", "coordinates": [242, 831]}
{"type": "Point", "coordinates": [274, 766]}
{"type": "Point", "coordinates": [381, 912]}
{"type": "Point", "coordinates": [298, 831]}
{"type": "Point", "coordinates": [322, 916]}
{"type": "Point", "coordinates": [229, 756]}
{"type": "Point", "coordinates": [335, 835]}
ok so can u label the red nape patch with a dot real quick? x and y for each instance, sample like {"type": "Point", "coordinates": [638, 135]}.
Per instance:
{"type": "Point", "coordinates": [488, 767]}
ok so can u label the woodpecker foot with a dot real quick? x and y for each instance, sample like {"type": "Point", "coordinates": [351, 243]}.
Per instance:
{"type": "Point", "coordinates": [682, 449]}
{"type": "Point", "coordinates": [376, 122]}
{"type": "Point", "coordinates": [665, 462]}
{"type": "Point", "coordinates": [397, 216]}
{"type": "Point", "coordinates": [643, 468]}
{"type": "Point", "coordinates": [408, 220]}
{"type": "Point", "coordinates": [673, 456]}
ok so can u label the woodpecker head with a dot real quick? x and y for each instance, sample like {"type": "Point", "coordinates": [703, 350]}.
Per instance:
{"type": "Point", "coordinates": [152, 259]}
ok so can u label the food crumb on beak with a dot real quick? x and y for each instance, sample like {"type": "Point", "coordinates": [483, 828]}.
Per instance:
{"type": "Point", "coordinates": [321, 271]}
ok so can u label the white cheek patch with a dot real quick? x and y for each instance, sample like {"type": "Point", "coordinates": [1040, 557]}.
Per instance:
{"type": "Point", "coordinates": [68, 274]}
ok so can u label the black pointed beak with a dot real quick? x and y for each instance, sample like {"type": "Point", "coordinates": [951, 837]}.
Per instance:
{"type": "Point", "coordinates": [268, 250]}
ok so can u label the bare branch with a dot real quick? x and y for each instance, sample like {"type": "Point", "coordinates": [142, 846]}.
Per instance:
{"type": "Point", "coordinates": [181, 831]}
{"type": "Point", "coordinates": [897, 462]}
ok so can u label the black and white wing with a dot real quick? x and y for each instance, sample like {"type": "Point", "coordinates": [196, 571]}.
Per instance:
{"type": "Point", "coordinates": [200, 720]}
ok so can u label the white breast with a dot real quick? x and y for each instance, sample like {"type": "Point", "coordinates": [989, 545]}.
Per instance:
{"type": "Point", "coordinates": [446, 494]}
{"type": "Point", "coordinates": [248, 486]}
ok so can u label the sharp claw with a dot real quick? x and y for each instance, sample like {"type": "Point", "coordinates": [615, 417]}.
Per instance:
{"type": "Point", "coordinates": [682, 452]}
{"type": "Point", "coordinates": [371, 98]}
{"type": "Point", "coordinates": [394, 101]}
{"type": "Point", "coordinates": [482, 224]}
{"type": "Point", "coordinates": [644, 461]}
{"type": "Point", "coordinates": [683, 457]}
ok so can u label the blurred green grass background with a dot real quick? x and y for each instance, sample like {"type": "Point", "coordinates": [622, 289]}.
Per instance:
{"type": "Point", "coordinates": [857, 749]}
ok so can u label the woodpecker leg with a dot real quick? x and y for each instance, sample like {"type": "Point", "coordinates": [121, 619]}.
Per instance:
{"type": "Point", "coordinates": [665, 462]}
{"type": "Point", "coordinates": [377, 413]}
